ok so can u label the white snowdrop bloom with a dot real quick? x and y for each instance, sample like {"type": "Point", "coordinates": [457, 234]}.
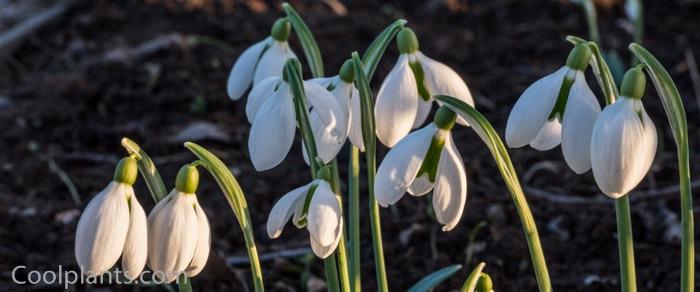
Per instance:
{"type": "Point", "coordinates": [262, 60]}
{"type": "Point", "coordinates": [558, 109]}
{"type": "Point", "coordinates": [426, 160]}
{"type": "Point", "coordinates": [180, 233]}
{"type": "Point", "coordinates": [274, 125]}
{"type": "Point", "coordinates": [113, 225]}
{"type": "Point", "coordinates": [623, 144]}
{"type": "Point", "coordinates": [323, 219]}
{"type": "Point", "coordinates": [406, 96]}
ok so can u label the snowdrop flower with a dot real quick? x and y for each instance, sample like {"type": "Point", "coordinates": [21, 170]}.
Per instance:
{"type": "Point", "coordinates": [323, 217]}
{"type": "Point", "coordinates": [558, 109]}
{"type": "Point", "coordinates": [180, 234]}
{"type": "Point", "coordinates": [623, 144]}
{"type": "Point", "coordinates": [426, 160]}
{"type": "Point", "coordinates": [113, 225]}
{"type": "Point", "coordinates": [344, 90]}
{"type": "Point", "coordinates": [262, 60]}
{"type": "Point", "coordinates": [274, 124]}
{"type": "Point", "coordinates": [406, 95]}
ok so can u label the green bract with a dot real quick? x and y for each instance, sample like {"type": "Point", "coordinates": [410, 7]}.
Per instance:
{"type": "Point", "coordinates": [126, 171]}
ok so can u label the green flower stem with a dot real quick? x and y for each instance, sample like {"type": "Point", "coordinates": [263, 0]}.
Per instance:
{"type": "Point", "coordinates": [156, 187]}
{"type": "Point", "coordinates": [673, 106]}
{"type": "Point", "coordinates": [591, 19]}
{"type": "Point", "coordinates": [376, 49]}
{"type": "Point", "coordinates": [236, 199]}
{"type": "Point", "coordinates": [331, 272]}
{"type": "Point", "coordinates": [354, 224]}
{"type": "Point", "coordinates": [370, 140]}
{"type": "Point", "coordinates": [341, 251]}
{"type": "Point", "coordinates": [307, 40]}
{"type": "Point", "coordinates": [473, 278]}
{"type": "Point", "coordinates": [628, 280]}
{"type": "Point", "coordinates": [601, 69]}
{"type": "Point", "coordinates": [487, 133]}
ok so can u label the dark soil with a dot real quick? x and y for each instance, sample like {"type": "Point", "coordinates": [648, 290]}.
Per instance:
{"type": "Point", "coordinates": [59, 102]}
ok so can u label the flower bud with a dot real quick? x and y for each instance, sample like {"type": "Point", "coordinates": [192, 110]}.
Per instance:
{"type": "Point", "coordinates": [633, 84]}
{"type": "Point", "coordinates": [187, 179]}
{"type": "Point", "coordinates": [579, 57]}
{"type": "Point", "coordinates": [407, 41]}
{"type": "Point", "coordinates": [126, 171]}
{"type": "Point", "coordinates": [485, 284]}
{"type": "Point", "coordinates": [281, 29]}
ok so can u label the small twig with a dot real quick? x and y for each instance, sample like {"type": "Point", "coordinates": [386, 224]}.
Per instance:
{"type": "Point", "coordinates": [634, 196]}
{"type": "Point", "coordinates": [14, 36]}
{"type": "Point", "coordinates": [694, 74]}
{"type": "Point", "coordinates": [266, 257]}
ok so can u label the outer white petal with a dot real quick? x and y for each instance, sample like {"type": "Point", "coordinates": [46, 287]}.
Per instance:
{"type": "Point", "coordinates": [582, 109]}
{"type": "Point", "coordinates": [532, 109]}
{"type": "Point", "coordinates": [201, 254]}
{"type": "Point", "coordinates": [136, 245]}
{"type": "Point", "coordinates": [260, 93]}
{"type": "Point", "coordinates": [450, 193]}
{"type": "Point", "coordinates": [242, 71]}
{"type": "Point", "coordinates": [283, 210]}
{"type": "Point", "coordinates": [399, 168]}
{"type": "Point", "coordinates": [422, 113]}
{"type": "Point", "coordinates": [322, 251]}
{"type": "Point", "coordinates": [173, 231]}
{"type": "Point", "coordinates": [272, 61]}
{"type": "Point", "coordinates": [324, 215]}
{"type": "Point", "coordinates": [548, 137]}
{"type": "Point", "coordinates": [355, 122]}
{"type": "Point", "coordinates": [272, 132]}
{"type": "Point", "coordinates": [102, 230]}
{"type": "Point", "coordinates": [441, 79]}
{"type": "Point", "coordinates": [397, 104]}
{"type": "Point", "coordinates": [328, 119]}
{"type": "Point", "coordinates": [623, 147]}
{"type": "Point", "coordinates": [420, 186]}
{"type": "Point", "coordinates": [324, 81]}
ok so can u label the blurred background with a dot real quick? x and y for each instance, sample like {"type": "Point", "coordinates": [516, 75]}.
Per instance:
{"type": "Point", "coordinates": [76, 76]}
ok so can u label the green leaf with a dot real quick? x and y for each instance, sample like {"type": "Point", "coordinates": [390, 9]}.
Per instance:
{"type": "Point", "coordinates": [473, 278]}
{"type": "Point", "coordinates": [366, 105]}
{"type": "Point", "coordinates": [292, 69]}
{"type": "Point", "coordinates": [488, 134]}
{"type": "Point", "coordinates": [376, 49]}
{"type": "Point", "coordinates": [307, 40]}
{"type": "Point", "coordinates": [147, 168]}
{"type": "Point", "coordinates": [673, 105]}
{"type": "Point", "coordinates": [600, 69]}
{"type": "Point", "coordinates": [236, 199]}
{"type": "Point", "coordinates": [434, 279]}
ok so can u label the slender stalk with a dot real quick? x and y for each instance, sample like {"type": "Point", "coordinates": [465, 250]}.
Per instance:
{"type": "Point", "coordinates": [591, 20]}
{"type": "Point", "coordinates": [341, 251]}
{"type": "Point", "coordinates": [354, 210]}
{"type": "Point", "coordinates": [625, 244]}
{"type": "Point", "coordinates": [331, 270]}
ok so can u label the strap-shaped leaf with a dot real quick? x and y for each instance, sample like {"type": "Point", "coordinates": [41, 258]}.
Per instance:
{"type": "Point", "coordinates": [307, 40]}
{"type": "Point", "coordinates": [292, 69]}
{"type": "Point", "coordinates": [236, 199]}
{"type": "Point", "coordinates": [473, 278]}
{"type": "Point", "coordinates": [376, 49]}
{"type": "Point", "coordinates": [486, 132]}
{"type": "Point", "coordinates": [434, 279]}
{"type": "Point", "coordinates": [673, 106]}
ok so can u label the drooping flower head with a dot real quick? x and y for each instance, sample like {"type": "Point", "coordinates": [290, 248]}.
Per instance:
{"type": "Point", "coordinates": [426, 160]}
{"type": "Point", "coordinates": [406, 95]}
{"type": "Point", "coordinates": [623, 144]}
{"type": "Point", "coordinates": [558, 109]}
{"type": "Point", "coordinates": [180, 234]}
{"type": "Point", "coordinates": [113, 225]}
{"type": "Point", "coordinates": [274, 122]}
{"type": "Point", "coordinates": [315, 207]}
{"type": "Point", "coordinates": [262, 60]}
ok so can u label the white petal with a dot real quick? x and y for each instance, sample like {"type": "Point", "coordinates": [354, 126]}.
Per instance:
{"type": "Point", "coordinates": [272, 61]}
{"type": "Point", "coordinates": [272, 132]}
{"type": "Point", "coordinates": [323, 81]}
{"type": "Point", "coordinates": [329, 121]}
{"type": "Point", "coordinates": [322, 251]}
{"type": "Point", "coordinates": [283, 210]}
{"type": "Point", "coordinates": [324, 215]}
{"type": "Point", "coordinates": [623, 147]}
{"type": "Point", "coordinates": [422, 112]}
{"type": "Point", "coordinates": [201, 254]}
{"type": "Point", "coordinates": [397, 104]}
{"type": "Point", "coordinates": [450, 193]}
{"type": "Point", "coordinates": [260, 93]}
{"type": "Point", "coordinates": [102, 230]}
{"type": "Point", "coordinates": [398, 170]}
{"type": "Point", "coordinates": [242, 71]}
{"type": "Point", "coordinates": [136, 245]}
{"type": "Point", "coordinates": [580, 114]}
{"type": "Point", "coordinates": [173, 232]}
{"type": "Point", "coordinates": [548, 137]}
{"type": "Point", "coordinates": [532, 109]}
{"type": "Point", "coordinates": [420, 186]}
{"type": "Point", "coordinates": [442, 80]}
{"type": "Point", "coordinates": [355, 121]}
